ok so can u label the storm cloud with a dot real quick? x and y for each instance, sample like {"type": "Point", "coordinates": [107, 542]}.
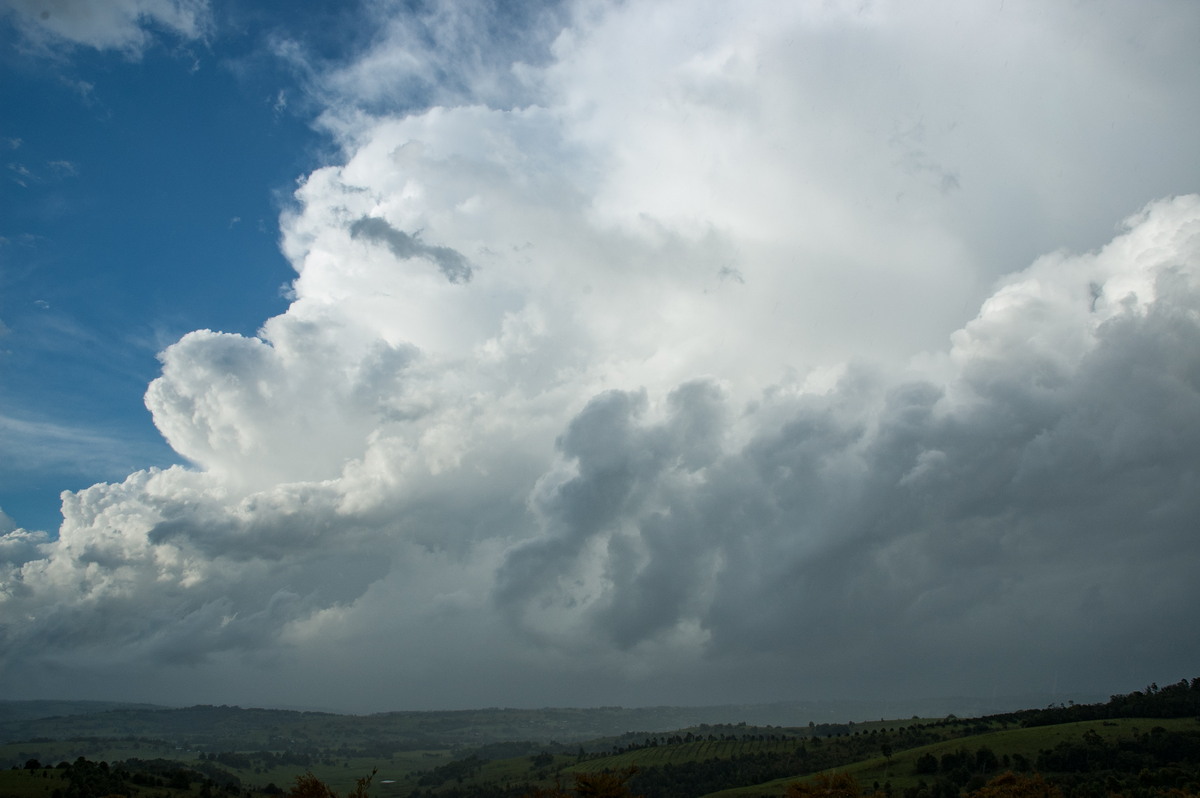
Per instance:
{"type": "Point", "coordinates": [940, 434]}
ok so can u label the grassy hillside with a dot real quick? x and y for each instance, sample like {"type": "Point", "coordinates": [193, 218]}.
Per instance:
{"type": "Point", "coordinates": [28, 784]}
{"type": "Point", "coordinates": [1009, 746]}
{"type": "Point", "coordinates": [1089, 751]}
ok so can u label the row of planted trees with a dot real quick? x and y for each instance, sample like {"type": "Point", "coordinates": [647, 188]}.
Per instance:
{"type": "Point", "coordinates": [824, 785]}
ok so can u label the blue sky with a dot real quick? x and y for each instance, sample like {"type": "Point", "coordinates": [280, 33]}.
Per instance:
{"type": "Point", "coordinates": [596, 353]}
{"type": "Point", "coordinates": [140, 202]}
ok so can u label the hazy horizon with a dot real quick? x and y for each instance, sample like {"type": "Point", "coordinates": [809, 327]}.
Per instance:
{"type": "Point", "coordinates": [860, 710]}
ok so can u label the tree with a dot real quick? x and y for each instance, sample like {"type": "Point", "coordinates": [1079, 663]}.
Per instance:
{"type": "Point", "coordinates": [604, 785]}
{"type": "Point", "coordinates": [592, 785]}
{"type": "Point", "coordinates": [826, 785]}
{"type": "Point", "coordinates": [1014, 785]}
{"type": "Point", "coordinates": [986, 760]}
{"type": "Point", "coordinates": [309, 786]}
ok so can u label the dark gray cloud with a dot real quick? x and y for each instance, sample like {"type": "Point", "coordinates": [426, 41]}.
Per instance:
{"type": "Point", "coordinates": [452, 264]}
{"type": "Point", "coordinates": [1033, 503]}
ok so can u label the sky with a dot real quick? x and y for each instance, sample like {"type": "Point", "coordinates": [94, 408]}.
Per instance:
{"type": "Point", "coordinates": [430, 355]}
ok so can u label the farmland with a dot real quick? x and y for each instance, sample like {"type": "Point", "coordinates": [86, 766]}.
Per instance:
{"type": "Point", "coordinates": [1144, 743]}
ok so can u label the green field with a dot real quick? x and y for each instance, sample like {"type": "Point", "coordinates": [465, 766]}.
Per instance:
{"type": "Point", "coordinates": [28, 783]}
{"type": "Point", "coordinates": [683, 753]}
{"type": "Point", "coordinates": [399, 774]}
{"type": "Point", "coordinates": [226, 752]}
{"type": "Point", "coordinates": [900, 769]}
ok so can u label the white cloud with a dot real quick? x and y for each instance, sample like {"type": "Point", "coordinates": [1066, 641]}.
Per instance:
{"type": "Point", "coordinates": [518, 405]}
{"type": "Point", "coordinates": [112, 24]}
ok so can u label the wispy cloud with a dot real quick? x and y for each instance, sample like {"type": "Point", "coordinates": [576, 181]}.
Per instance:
{"type": "Point", "coordinates": [114, 24]}
{"type": "Point", "coordinates": [33, 446]}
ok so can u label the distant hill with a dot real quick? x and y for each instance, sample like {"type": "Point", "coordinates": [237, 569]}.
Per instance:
{"type": "Point", "coordinates": [16, 711]}
{"type": "Point", "coordinates": [235, 728]}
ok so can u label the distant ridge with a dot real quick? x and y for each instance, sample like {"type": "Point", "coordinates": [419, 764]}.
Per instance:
{"type": "Point", "coordinates": [262, 728]}
{"type": "Point", "coordinates": [12, 711]}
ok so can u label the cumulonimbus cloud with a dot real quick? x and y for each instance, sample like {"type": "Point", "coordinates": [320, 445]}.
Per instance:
{"type": "Point", "coordinates": [553, 426]}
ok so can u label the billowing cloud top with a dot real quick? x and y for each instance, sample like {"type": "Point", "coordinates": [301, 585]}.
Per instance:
{"type": "Point", "coordinates": [705, 347]}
